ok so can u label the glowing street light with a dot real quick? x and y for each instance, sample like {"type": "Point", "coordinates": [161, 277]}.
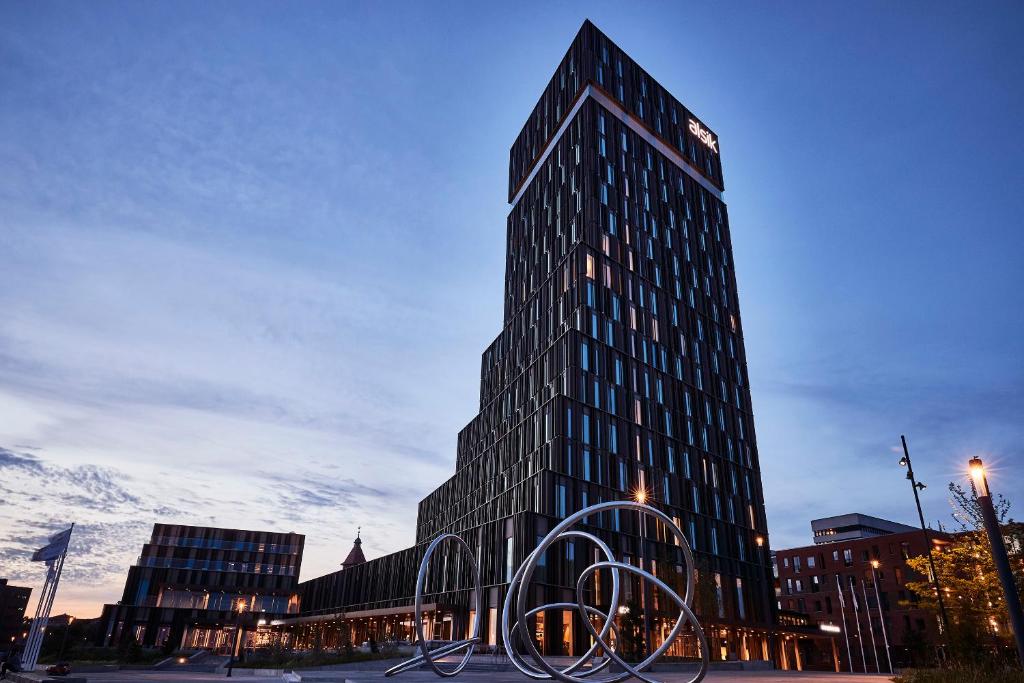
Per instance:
{"type": "Point", "coordinates": [999, 557]}
{"type": "Point", "coordinates": [977, 469]}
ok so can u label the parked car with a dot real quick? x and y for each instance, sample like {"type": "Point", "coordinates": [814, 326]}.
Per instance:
{"type": "Point", "coordinates": [59, 669]}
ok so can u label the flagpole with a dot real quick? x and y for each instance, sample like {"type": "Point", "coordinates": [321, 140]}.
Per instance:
{"type": "Point", "coordinates": [856, 619]}
{"type": "Point", "coordinates": [881, 615]}
{"type": "Point", "coordinates": [44, 617]}
{"type": "Point", "coordinates": [846, 631]}
{"type": "Point", "coordinates": [33, 632]}
{"type": "Point", "coordinates": [871, 625]}
{"type": "Point", "coordinates": [55, 565]}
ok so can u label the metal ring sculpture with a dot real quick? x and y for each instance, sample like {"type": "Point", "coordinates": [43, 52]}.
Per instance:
{"type": "Point", "coordinates": [516, 600]}
{"type": "Point", "coordinates": [468, 644]}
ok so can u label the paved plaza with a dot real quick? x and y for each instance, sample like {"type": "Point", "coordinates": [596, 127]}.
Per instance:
{"type": "Point", "coordinates": [356, 676]}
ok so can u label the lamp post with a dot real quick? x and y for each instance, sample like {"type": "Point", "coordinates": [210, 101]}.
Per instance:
{"type": "Point", "coordinates": [641, 497]}
{"type": "Point", "coordinates": [64, 640]}
{"type": "Point", "coordinates": [1002, 562]}
{"type": "Point", "coordinates": [917, 486]}
{"type": "Point", "coordinates": [239, 609]}
{"type": "Point", "coordinates": [881, 615]}
{"type": "Point", "coordinates": [768, 578]}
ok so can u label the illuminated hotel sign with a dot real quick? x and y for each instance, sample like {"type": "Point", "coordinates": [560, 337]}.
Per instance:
{"type": "Point", "coordinates": [830, 628]}
{"type": "Point", "coordinates": [704, 135]}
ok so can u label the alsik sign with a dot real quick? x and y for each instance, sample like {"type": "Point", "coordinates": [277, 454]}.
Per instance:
{"type": "Point", "coordinates": [704, 135]}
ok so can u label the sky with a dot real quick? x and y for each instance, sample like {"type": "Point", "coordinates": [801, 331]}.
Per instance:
{"type": "Point", "coordinates": [250, 254]}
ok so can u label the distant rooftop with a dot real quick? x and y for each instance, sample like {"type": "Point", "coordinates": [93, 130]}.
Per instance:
{"type": "Point", "coordinates": [854, 525]}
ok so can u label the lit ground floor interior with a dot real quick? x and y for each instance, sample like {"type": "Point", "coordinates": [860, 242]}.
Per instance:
{"type": "Point", "coordinates": [556, 633]}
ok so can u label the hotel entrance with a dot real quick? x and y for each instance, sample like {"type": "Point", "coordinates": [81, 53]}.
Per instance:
{"type": "Point", "coordinates": [217, 639]}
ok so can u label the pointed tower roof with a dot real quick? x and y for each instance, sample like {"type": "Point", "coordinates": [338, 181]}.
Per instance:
{"type": "Point", "coordinates": [355, 556]}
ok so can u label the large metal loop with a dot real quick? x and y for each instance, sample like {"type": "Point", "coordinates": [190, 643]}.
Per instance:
{"type": "Point", "coordinates": [609, 621]}
{"type": "Point", "coordinates": [468, 644]}
{"type": "Point", "coordinates": [514, 631]}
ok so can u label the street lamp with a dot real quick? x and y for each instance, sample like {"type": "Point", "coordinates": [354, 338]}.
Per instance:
{"type": "Point", "coordinates": [64, 640]}
{"type": "Point", "coordinates": [768, 578]}
{"type": "Point", "coordinates": [881, 615]}
{"type": "Point", "coordinates": [239, 609]}
{"type": "Point", "coordinates": [1002, 562]}
{"type": "Point", "coordinates": [640, 496]}
{"type": "Point", "coordinates": [917, 486]}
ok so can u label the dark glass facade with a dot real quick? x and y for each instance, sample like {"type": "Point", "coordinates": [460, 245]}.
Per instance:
{"type": "Point", "coordinates": [191, 584]}
{"type": "Point", "coordinates": [13, 601]}
{"type": "Point", "coordinates": [621, 366]}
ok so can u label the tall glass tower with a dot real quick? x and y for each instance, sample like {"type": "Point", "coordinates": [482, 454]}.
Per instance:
{"type": "Point", "coordinates": [620, 368]}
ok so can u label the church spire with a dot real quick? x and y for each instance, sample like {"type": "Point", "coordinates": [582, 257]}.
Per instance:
{"type": "Point", "coordinates": [355, 556]}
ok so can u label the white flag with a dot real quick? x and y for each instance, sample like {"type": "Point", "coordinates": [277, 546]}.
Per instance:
{"type": "Point", "coordinates": [54, 549]}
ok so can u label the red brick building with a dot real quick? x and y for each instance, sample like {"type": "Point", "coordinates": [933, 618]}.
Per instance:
{"type": "Point", "coordinates": [809, 579]}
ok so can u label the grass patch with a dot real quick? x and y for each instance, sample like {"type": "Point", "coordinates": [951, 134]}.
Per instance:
{"type": "Point", "coordinates": [961, 675]}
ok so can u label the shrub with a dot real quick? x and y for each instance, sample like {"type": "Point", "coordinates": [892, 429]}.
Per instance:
{"type": "Point", "coordinates": [961, 674]}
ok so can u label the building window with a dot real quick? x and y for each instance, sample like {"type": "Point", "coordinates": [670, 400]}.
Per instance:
{"type": "Point", "coordinates": [561, 504]}
{"type": "Point", "coordinates": [719, 602]}
{"type": "Point", "coordinates": [510, 564]}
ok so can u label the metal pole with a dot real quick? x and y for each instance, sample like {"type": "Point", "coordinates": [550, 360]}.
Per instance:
{"type": "Point", "coordinates": [44, 615]}
{"type": "Point", "coordinates": [871, 625]}
{"type": "Point", "coordinates": [234, 646]}
{"type": "Point", "coordinates": [846, 631]}
{"type": "Point", "coordinates": [33, 633]}
{"type": "Point", "coordinates": [1002, 562]}
{"type": "Point", "coordinates": [927, 539]}
{"type": "Point", "coordinates": [645, 595]}
{"type": "Point", "coordinates": [64, 640]}
{"type": "Point", "coordinates": [856, 620]}
{"type": "Point", "coordinates": [881, 618]}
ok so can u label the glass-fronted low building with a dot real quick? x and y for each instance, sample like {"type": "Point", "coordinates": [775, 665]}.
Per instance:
{"type": "Point", "coordinates": [192, 587]}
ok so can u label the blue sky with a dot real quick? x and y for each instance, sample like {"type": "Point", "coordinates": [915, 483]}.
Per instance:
{"type": "Point", "coordinates": [251, 253]}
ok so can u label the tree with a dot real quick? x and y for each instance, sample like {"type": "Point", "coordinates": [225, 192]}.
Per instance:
{"type": "Point", "coordinates": [919, 650]}
{"type": "Point", "coordinates": [971, 589]}
{"type": "Point", "coordinates": [129, 650]}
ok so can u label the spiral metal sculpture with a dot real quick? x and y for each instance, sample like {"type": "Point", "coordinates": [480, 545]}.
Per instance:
{"type": "Point", "coordinates": [514, 613]}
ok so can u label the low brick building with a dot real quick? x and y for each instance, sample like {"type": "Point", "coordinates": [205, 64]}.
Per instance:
{"type": "Point", "coordinates": [809, 580]}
